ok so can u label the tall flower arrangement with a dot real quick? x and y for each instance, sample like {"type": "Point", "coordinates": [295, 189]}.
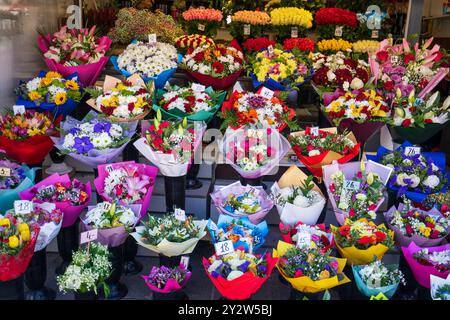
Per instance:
{"type": "Point", "coordinates": [285, 18]}
{"type": "Point", "coordinates": [336, 22]}
{"type": "Point", "coordinates": [203, 21]}
{"type": "Point", "coordinates": [248, 24]}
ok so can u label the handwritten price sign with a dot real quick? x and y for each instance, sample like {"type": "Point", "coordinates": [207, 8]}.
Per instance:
{"type": "Point", "coordinates": [152, 38]}
{"type": "Point", "coordinates": [23, 207]}
{"type": "Point", "coordinates": [180, 214]}
{"type": "Point", "coordinates": [89, 236]}
{"type": "Point", "coordinates": [351, 185]}
{"type": "Point", "coordinates": [5, 172]}
{"type": "Point", "coordinates": [224, 247]}
{"type": "Point", "coordinates": [267, 93]}
{"type": "Point", "coordinates": [303, 240]}
{"type": "Point", "coordinates": [18, 109]}
{"type": "Point", "coordinates": [412, 151]}
{"type": "Point", "coordinates": [338, 31]}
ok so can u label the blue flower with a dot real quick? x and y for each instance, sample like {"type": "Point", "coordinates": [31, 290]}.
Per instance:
{"type": "Point", "coordinates": [83, 145]}
{"type": "Point", "coordinates": [102, 127]}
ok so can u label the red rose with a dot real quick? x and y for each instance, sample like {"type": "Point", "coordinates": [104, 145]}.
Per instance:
{"type": "Point", "coordinates": [389, 85]}
{"type": "Point", "coordinates": [218, 67]}
{"type": "Point", "coordinates": [381, 236]}
{"type": "Point", "coordinates": [406, 123]}
{"type": "Point", "coordinates": [364, 240]}
{"type": "Point", "coordinates": [408, 58]}
{"type": "Point", "coordinates": [310, 147]}
{"type": "Point", "coordinates": [409, 230]}
{"type": "Point", "coordinates": [351, 213]}
{"type": "Point", "coordinates": [199, 57]}
{"type": "Point", "coordinates": [435, 234]}
{"type": "Point", "coordinates": [428, 121]}
{"type": "Point", "coordinates": [344, 230]}
{"type": "Point", "coordinates": [382, 55]}
{"type": "Point", "coordinates": [372, 207]}
{"type": "Point", "coordinates": [131, 106]}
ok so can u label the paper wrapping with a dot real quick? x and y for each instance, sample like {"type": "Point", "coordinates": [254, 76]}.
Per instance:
{"type": "Point", "coordinates": [437, 282]}
{"type": "Point", "coordinates": [171, 285]}
{"type": "Point", "coordinates": [8, 196]}
{"type": "Point", "coordinates": [31, 151]}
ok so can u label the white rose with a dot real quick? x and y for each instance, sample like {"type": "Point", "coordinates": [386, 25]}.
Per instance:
{"type": "Point", "coordinates": [431, 181]}
{"type": "Point", "coordinates": [301, 201]}
{"type": "Point", "coordinates": [361, 196]}
{"type": "Point", "coordinates": [400, 179]}
{"type": "Point", "coordinates": [415, 180]}
{"type": "Point", "coordinates": [286, 192]}
{"type": "Point", "coordinates": [356, 84]}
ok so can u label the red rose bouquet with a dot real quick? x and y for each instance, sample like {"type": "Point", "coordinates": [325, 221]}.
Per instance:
{"type": "Point", "coordinates": [336, 22]}
{"type": "Point", "coordinates": [303, 44]}
{"type": "Point", "coordinates": [254, 45]}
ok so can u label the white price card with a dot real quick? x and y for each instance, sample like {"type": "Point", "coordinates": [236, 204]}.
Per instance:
{"type": "Point", "coordinates": [201, 27]}
{"type": "Point", "coordinates": [224, 247]}
{"type": "Point", "coordinates": [185, 261]}
{"type": "Point", "coordinates": [105, 206]}
{"type": "Point", "coordinates": [180, 214]}
{"type": "Point", "coordinates": [294, 32]}
{"type": "Point", "coordinates": [351, 185]}
{"type": "Point", "coordinates": [394, 59]}
{"type": "Point", "coordinates": [267, 93]}
{"type": "Point", "coordinates": [88, 236]}
{"type": "Point", "coordinates": [23, 206]}
{"type": "Point", "coordinates": [197, 87]}
{"type": "Point", "coordinates": [270, 50]}
{"type": "Point", "coordinates": [18, 109]}
{"type": "Point", "coordinates": [303, 240]}
{"type": "Point", "coordinates": [315, 131]}
{"type": "Point", "coordinates": [152, 38]}
{"type": "Point", "coordinates": [5, 172]}
{"type": "Point", "coordinates": [338, 31]}
{"type": "Point", "coordinates": [375, 34]}
{"type": "Point", "coordinates": [246, 29]}
{"type": "Point", "coordinates": [412, 151]}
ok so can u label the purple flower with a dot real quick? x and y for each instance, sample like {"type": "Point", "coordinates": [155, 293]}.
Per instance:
{"type": "Point", "coordinates": [74, 130]}
{"type": "Point", "coordinates": [83, 145]}
{"type": "Point", "coordinates": [102, 127]}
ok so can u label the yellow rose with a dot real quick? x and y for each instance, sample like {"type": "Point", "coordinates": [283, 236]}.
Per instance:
{"type": "Point", "coordinates": [13, 242]}
{"type": "Point", "coordinates": [24, 231]}
{"type": "Point", "coordinates": [324, 275]}
{"type": "Point", "coordinates": [5, 222]}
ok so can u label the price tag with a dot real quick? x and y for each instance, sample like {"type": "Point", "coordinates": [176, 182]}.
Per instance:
{"type": "Point", "coordinates": [88, 236]}
{"type": "Point", "coordinates": [109, 168]}
{"type": "Point", "coordinates": [351, 185]}
{"type": "Point", "coordinates": [375, 34]}
{"type": "Point", "coordinates": [185, 261]}
{"type": "Point", "coordinates": [23, 207]}
{"type": "Point", "coordinates": [293, 158]}
{"type": "Point", "coordinates": [394, 59]}
{"type": "Point", "coordinates": [224, 247]}
{"type": "Point", "coordinates": [267, 93]}
{"type": "Point", "coordinates": [303, 240]}
{"type": "Point", "coordinates": [197, 87]}
{"type": "Point", "coordinates": [338, 31]}
{"type": "Point", "coordinates": [315, 131]}
{"type": "Point", "coordinates": [294, 32]}
{"type": "Point", "coordinates": [152, 38]}
{"type": "Point", "coordinates": [5, 172]}
{"type": "Point", "coordinates": [49, 189]}
{"type": "Point", "coordinates": [201, 27]}
{"type": "Point", "coordinates": [18, 109]}
{"type": "Point", "coordinates": [246, 29]}
{"type": "Point", "coordinates": [412, 151]}
{"type": "Point", "coordinates": [270, 50]}
{"type": "Point", "coordinates": [180, 214]}
{"type": "Point", "coordinates": [106, 206]}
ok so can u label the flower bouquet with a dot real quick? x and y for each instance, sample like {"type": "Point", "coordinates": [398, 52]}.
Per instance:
{"type": "Point", "coordinates": [254, 152]}
{"type": "Point", "coordinates": [151, 61]}
{"type": "Point", "coordinates": [170, 145]}
{"type": "Point", "coordinates": [193, 103]}
{"type": "Point", "coordinates": [297, 198]}
{"type": "Point", "coordinates": [285, 19]}
{"type": "Point", "coordinates": [94, 140]}
{"type": "Point", "coordinates": [362, 112]}
{"type": "Point", "coordinates": [248, 108]}
{"type": "Point", "coordinates": [378, 277]}
{"type": "Point", "coordinates": [70, 51]}
{"type": "Point", "coordinates": [440, 201]}
{"type": "Point", "coordinates": [440, 288]}
{"type": "Point", "coordinates": [166, 280]}
{"type": "Point", "coordinates": [336, 22]}
{"type": "Point", "coordinates": [416, 175]}
{"type": "Point", "coordinates": [248, 24]}
{"type": "Point", "coordinates": [254, 45]}
{"type": "Point", "coordinates": [49, 91]}
{"type": "Point", "coordinates": [169, 236]}
{"type": "Point", "coordinates": [47, 217]}
{"type": "Point", "coordinates": [17, 241]}
{"type": "Point", "coordinates": [217, 66]}
{"type": "Point", "coordinates": [356, 189]}
{"type": "Point", "coordinates": [113, 221]}
{"type": "Point", "coordinates": [25, 137]}
{"type": "Point", "coordinates": [238, 275]}
{"type": "Point", "coordinates": [88, 270]}
{"type": "Point", "coordinates": [316, 150]}
{"type": "Point", "coordinates": [424, 228]}
{"type": "Point", "coordinates": [365, 48]}
{"type": "Point", "coordinates": [361, 240]}
{"type": "Point", "coordinates": [122, 101]}
{"type": "Point", "coordinates": [69, 196]}
{"type": "Point", "coordinates": [322, 238]}
{"type": "Point", "coordinates": [331, 46]}
{"type": "Point", "coordinates": [337, 71]}
{"type": "Point", "coordinates": [417, 120]}
{"type": "Point", "coordinates": [239, 201]}
{"type": "Point", "coordinates": [126, 183]}
{"type": "Point", "coordinates": [203, 21]}
{"type": "Point", "coordinates": [282, 70]}
{"type": "Point", "coordinates": [193, 41]}
{"type": "Point", "coordinates": [407, 67]}
{"type": "Point", "coordinates": [425, 262]}
{"type": "Point", "coordinates": [309, 270]}
{"type": "Point", "coordinates": [14, 178]}
{"type": "Point", "coordinates": [303, 44]}
{"type": "Point", "coordinates": [242, 232]}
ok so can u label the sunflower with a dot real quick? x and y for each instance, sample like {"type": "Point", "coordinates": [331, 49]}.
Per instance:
{"type": "Point", "coordinates": [45, 82]}
{"type": "Point", "coordinates": [72, 85]}
{"type": "Point", "coordinates": [34, 95]}
{"type": "Point", "coordinates": [60, 98]}
{"type": "Point", "coordinates": [53, 75]}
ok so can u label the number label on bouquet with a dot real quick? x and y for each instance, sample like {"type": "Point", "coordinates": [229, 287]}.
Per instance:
{"type": "Point", "coordinates": [152, 38]}
{"type": "Point", "coordinates": [18, 109]}
{"type": "Point", "coordinates": [267, 93]}
{"type": "Point", "coordinates": [180, 214]}
{"type": "Point", "coordinates": [246, 29]}
{"type": "Point", "coordinates": [224, 247]}
{"type": "Point", "coordinates": [338, 31]}
{"type": "Point", "coordinates": [351, 185]}
{"type": "Point", "coordinates": [270, 51]}
{"type": "Point", "coordinates": [185, 261]}
{"type": "Point", "coordinates": [109, 168]}
{"type": "Point", "coordinates": [23, 207]}
{"type": "Point", "coordinates": [394, 59]}
{"type": "Point", "coordinates": [197, 87]}
{"type": "Point", "coordinates": [5, 172]}
{"type": "Point", "coordinates": [315, 131]}
{"type": "Point", "coordinates": [106, 206]}
{"type": "Point", "coordinates": [294, 32]}
{"type": "Point", "coordinates": [88, 236]}
{"type": "Point", "coordinates": [303, 240]}
{"type": "Point", "coordinates": [412, 151]}
{"type": "Point", "coordinates": [375, 34]}
{"type": "Point", "coordinates": [201, 27]}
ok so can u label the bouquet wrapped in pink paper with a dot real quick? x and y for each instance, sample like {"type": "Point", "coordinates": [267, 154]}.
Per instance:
{"type": "Point", "coordinates": [254, 152]}
{"type": "Point", "coordinates": [112, 220]}
{"type": "Point", "coordinates": [239, 201]}
{"type": "Point", "coordinates": [428, 261]}
{"type": "Point", "coordinates": [424, 228]}
{"type": "Point", "coordinates": [75, 51]}
{"type": "Point", "coordinates": [126, 182]}
{"type": "Point", "coordinates": [407, 67]}
{"type": "Point", "coordinates": [166, 280]}
{"type": "Point", "coordinates": [356, 189]}
{"type": "Point", "coordinates": [69, 196]}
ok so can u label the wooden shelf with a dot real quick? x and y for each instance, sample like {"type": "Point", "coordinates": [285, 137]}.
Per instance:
{"type": "Point", "coordinates": [444, 16]}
